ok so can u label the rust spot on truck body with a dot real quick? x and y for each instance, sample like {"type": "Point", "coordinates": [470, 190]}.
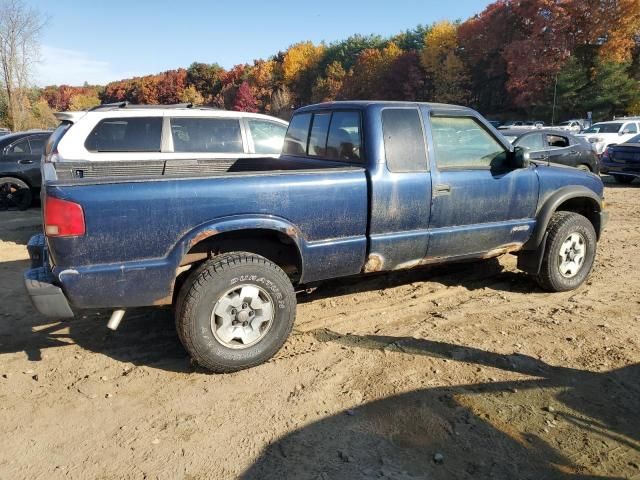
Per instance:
{"type": "Point", "coordinates": [291, 231]}
{"type": "Point", "coordinates": [508, 248]}
{"type": "Point", "coordinates": [375, 262]}
{"type": "Point", "coordinates": [202, 236]}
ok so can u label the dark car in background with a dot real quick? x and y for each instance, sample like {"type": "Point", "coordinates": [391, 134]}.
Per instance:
{"type": "Point", "coordinates": [20, 168]}
{"type": "Point", "coordinates": [555, 146]}
{"type": "Point", "coordinates": [622, 161]}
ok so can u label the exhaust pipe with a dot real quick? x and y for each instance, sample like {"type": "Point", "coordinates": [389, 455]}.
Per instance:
{"type": "Point", "coordinates": [116, 318]}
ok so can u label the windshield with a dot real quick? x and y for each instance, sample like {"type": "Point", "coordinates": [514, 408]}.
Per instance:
{"type": "Point", "coordinates": [604, 128]}
{"type": "Point", "coordinates": [635, 139]}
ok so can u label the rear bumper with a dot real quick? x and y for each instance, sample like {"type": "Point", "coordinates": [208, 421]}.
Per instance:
{"type": "Point", "coordinates": [46, 296]}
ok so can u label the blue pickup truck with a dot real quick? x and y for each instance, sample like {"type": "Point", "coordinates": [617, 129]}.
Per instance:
{"type": "Point", "coordinates": [360, 187]}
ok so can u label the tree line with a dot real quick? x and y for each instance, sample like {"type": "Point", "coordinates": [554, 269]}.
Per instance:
{"type": "Point", "coordinates": [512, 59]}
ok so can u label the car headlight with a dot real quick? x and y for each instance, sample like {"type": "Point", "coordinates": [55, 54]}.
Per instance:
{"type": "Point", "coordinates": [596, 140]}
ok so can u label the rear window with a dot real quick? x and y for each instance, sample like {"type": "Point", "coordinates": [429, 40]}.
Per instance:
{"type": "Point", "coordinates": [206, 135]}
{"type": "Point", "coordinates": [328, 135]}
{"type": "Point", "coordinates": [133, 134]}
{"type": "Point", "coordinates": [56, 136]}
{"type": "Point", "coordinates": [295, 142]}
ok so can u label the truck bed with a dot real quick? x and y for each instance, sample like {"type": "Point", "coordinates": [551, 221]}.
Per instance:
{"type": "Point", "coordinates": [141, 220]}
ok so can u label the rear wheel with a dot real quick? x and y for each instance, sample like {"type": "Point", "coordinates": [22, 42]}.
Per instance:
{"type": "Point", "coordinates": [235, 311]}
{"type": "Point", "coordinates": [14, 194]}
{"type": "Point", "coordinates": [569, 254]}
{"type": "Point", "coordinates": [623, 179]}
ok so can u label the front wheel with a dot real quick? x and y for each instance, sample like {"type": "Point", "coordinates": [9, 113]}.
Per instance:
{"type": "Point", "coordinates": [569, 254]}
{"type": "Point", "coordinates": [235, 312]}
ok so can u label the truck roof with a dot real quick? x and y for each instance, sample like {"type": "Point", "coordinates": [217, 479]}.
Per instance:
{"type": "Point", "coordinates": [361, 104]}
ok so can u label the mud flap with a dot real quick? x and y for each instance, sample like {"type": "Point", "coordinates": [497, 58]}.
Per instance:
{"type": "Point", "coordinates": [530, 261]}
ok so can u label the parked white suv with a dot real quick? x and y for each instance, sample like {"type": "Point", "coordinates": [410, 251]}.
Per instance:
{"type": "Point", "coordinates": [163, 132]}
{"type": "Point", "coordinates": [603, 134]}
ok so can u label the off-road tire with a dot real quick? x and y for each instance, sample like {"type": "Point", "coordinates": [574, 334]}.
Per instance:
{"type": "Point", "coordinates": [207, 285]}
{"type": "Point", "coordinates": [623, 179]}
{"type": "Point", "coordinates": [561, 226]}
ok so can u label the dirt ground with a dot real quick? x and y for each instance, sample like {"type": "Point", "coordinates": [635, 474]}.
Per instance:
{"type": "Point", "coordinates": [468, 371]}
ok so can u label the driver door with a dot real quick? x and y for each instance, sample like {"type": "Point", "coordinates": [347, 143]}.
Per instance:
{"type": "Point", "coordinates": [481, 204]}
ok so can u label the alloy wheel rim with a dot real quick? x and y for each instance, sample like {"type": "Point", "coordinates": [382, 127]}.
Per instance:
{"type": "Point", "coordinates": [242, 316]}
{"type": "Point", "coordinates": [572, 254]}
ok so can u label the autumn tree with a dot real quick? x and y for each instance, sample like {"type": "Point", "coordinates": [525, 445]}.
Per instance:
{"type": "Point", "coordinates": [205, 78]}
{"type": "Point", "coordinates": [300, 67]}
{"type": "Point", "coordinates": [263, 82]}
{"type": "Point", "coordinates": [329, 87]}
{"type": "Point", "coordinates": [446, 74]}
{"type": "Point", "coordinates": [282, 103]}
{"type": "Point", "coordinates": [244, 101]}
{"type": "Point", "coordinates": [369, 78]}
{"type": "Point", "coordinates": [20, 29]}
{"type": "Point", "coordinates": [346, 52]}
{"type": "Point", "coordinates": [405, 78]}
{"type": "Point", "coordinates": [191, 95]}
{"type": "Point", "coordinates": [84, 101]}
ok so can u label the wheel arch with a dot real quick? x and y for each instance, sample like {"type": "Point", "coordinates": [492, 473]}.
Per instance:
{"type": "Point", "coordinates": [273, 238]}
{"type": "Point", "coordinates": [576, 199]}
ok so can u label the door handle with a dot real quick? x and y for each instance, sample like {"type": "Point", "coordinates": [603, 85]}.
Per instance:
{"type": "Point", "coordinates": [442, 189]}
{"type": "Point", "coordinates": [25, 162]}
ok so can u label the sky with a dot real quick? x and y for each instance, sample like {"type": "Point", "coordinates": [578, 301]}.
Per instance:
{"type": "Point", "coordinates": [100, 41]}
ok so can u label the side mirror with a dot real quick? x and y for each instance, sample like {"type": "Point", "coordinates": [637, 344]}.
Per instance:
{"type": "Point", "coordinates": [521, 157]}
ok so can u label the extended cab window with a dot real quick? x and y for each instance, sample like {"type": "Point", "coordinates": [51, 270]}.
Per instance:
{"type": "Point", "coordinates": [404, 140]}
{"type": "Point", "coordinates": [133, 134]}
{"type": "Point", "coordinates": [461, 142]}
{"type": "Point", "coordinates": [206, 135]}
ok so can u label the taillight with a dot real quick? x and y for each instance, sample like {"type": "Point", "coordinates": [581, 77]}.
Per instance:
{"type": "Point", "coordinates": [63, 218]}
{"type": "Point", "coordinates": [606, 155]}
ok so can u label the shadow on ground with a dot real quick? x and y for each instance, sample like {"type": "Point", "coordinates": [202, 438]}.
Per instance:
{"type": "Point", "coordinates": [481, 430]}
{"type": "Point", "coordinates": [147, 336]}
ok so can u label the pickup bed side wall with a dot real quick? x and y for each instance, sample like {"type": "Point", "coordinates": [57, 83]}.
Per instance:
{"type": "Point", "coordinates": [324, 211]}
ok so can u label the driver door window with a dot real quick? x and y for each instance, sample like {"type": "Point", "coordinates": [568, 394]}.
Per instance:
{"type": "Point", "coordinates": [463, 143]}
